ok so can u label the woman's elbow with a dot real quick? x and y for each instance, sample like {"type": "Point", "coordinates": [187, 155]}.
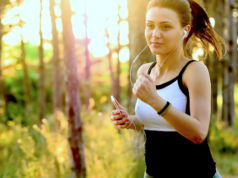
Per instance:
{"type": "Point", "coordinates": [198, 140]}
{"type": "Point", "coordinates": [200, 137]}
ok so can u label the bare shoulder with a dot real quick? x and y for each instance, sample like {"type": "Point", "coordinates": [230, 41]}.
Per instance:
{"type": "Point", "coordinates": [143, 68]}
{"type": "Point", "coordinates": [196, 74]}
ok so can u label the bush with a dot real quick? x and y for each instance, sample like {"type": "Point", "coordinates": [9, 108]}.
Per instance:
{"type": "Point", "coordinates": [223, 140]}
{"type": "Point", "coordinates": [33, 152]}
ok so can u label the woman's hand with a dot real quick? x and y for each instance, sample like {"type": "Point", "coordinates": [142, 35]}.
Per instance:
{"type": "Point", "coordinates": [120, 118]}
{"type": "Point", "coordinates": [145, 88]}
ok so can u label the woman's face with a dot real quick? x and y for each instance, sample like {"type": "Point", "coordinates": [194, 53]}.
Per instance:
{"type": "Point", "coordinates": [163, 30]}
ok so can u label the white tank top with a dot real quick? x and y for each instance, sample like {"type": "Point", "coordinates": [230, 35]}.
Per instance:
{"type": "Point", "coordinates": [172, 91]}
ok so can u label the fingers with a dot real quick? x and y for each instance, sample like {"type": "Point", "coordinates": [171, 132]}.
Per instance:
{"type": "Point", "coordinates": [124, 126]}
{"type": "Point", "coordinates": [121, 121]}
{"type": "Point", "coordinates": [115, 112]}
{"type": "Point", "coordinates": [121, 113]}
{"type": "Point", "coordinates": [118, 117]}
{"type": "Point", "coordinates": [143, 79]}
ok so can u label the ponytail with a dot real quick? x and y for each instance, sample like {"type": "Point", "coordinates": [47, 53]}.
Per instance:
{"type": "Point", "coordinates": [202, 29]}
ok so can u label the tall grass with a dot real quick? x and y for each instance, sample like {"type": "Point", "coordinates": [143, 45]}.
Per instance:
{"type": "Point", "coordinates": [34, 152]}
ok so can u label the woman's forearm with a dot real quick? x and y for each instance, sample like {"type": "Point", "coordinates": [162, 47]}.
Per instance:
{"type": "Point", "coordinates": [138, 124]}
{"type": "Point", "coordinates": [186, 125]}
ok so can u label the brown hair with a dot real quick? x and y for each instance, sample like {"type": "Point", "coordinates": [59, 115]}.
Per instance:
{"type": "Point", "coordinates": [191, 13]}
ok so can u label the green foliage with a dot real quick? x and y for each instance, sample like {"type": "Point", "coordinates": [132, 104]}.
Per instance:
{"type": "Point", "coordinates": [227, 164]}
{"type": "Point", "coordinates": [224, 139]}
{"type": "Point", "coordinates": [14, 82]}
{"type": "Point", "coordinates": [31, 152]}
{"type": "Point", "coordinates": [44, 152]}
{"type": "Point", "coordinates": [224, 145]}
{"type": "Point", "coordinates": [109, 154]}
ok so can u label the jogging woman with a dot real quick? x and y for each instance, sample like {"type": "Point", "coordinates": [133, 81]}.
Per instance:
{"type": "Point", "coordinates": [174, 92]}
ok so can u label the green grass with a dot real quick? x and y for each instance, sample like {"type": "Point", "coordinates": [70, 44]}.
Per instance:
{"type": "Point", "coordinates": [33, 152]}
{"type": "Point", "coordinates": [227, 164]}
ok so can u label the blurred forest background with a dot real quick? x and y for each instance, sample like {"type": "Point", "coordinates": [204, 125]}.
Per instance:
{"type": "Point", "coordinates": [60, 60]}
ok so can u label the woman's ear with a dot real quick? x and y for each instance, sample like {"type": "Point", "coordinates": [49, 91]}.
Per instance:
{"type": "Point", "coordinates": [187, 28]}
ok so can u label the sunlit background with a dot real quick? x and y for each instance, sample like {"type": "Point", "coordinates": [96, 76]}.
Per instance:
{"type": "Point", "coordinates": [104, 24]}
{"type": "Point", "coordinates": [103, 17]}
{"type": "Point", "coordinates": [99, 21]}
{"type": "Point", "coordinates": [106, 19]}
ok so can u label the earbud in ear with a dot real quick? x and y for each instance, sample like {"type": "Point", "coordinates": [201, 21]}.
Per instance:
{"type": "Point", "coordinates": [185, 33]}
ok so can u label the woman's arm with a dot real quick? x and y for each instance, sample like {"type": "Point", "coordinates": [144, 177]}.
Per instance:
{"type": "Point", "coordinates": [194, 126]}
{"type": "Point", "coordinates": [138, 124]}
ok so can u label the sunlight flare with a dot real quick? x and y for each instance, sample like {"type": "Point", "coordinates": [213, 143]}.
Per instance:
{"type": "Point", "coordinates": [213, 22]}
{"type": "Point", "coordinates": [124, 54]}
{"type": "Point", "coordinates": [102, 16]}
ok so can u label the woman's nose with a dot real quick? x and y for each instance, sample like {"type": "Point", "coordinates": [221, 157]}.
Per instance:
{"type": "Point", "coordinates": [156, 33]}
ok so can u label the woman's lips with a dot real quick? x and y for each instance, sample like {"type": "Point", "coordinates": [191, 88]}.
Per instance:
{"type": "Point", "coordinates": [156, 44]}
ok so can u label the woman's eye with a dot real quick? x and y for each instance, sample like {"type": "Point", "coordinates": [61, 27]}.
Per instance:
{"type": "Point", "coordinates": [166, 27]}
{"type": "Point", "coordinates": [149, 25]}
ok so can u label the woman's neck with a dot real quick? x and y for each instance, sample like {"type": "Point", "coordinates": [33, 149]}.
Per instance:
{"type": "Point", "coordinates": [171, 62]}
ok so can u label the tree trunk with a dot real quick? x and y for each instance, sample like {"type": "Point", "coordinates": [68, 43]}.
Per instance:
{"type": "Point", "coordinates": [232, 68]}
{"type": "Point", "coordinates": [214, 9]}
{"type": "Point", "coordinates": [109, 56]}
{"type": "Point", "coordinates": [236, 80]}
{"type": "Point", "coordinates": [88, 63]}
{"type": "Point", "coordinates": [219, 14]}
{"type": "Point", "coordinates": [137, 42]}
{"type": "Point", "coordinates": [116, 84]}
{"type": "Point", "coordinates": [214, 82]}
{"type": "Point", "coordinates": [2, 101]}
{"type": "Point", "coordinates": [228, 67]}
{"type": "Point", "coordinates": [25, 72]}
{"type": "Point", "coordinates": [42, 73]}
{"type": "Point", "coordinates": [225, 64]}
{"type": "Point", "coordinates": [75, 138]}
{"type": "Point", "coordinates": [57, 76]}
{"type": "Point", "coordinates": [236, 2]}
{"type": "Point", "coordinates": [113, 80]}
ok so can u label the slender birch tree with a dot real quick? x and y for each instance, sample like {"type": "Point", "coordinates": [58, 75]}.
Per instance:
{"type": "Point", "coordinates": [56, 61]}
{"type": "Point", "coordinates": [232, 69]}
{"type": "Point", "coordinates": [41, 95]}
{"type": "Point", "coordinates": [2, 105]}
{"type": "Point", "coordinates": [87, 61]}
{"type": "Point", "coordinates": [25, 70]}
{"type": "Point", "coordinates": [75, 137]}
{"type": "Point", "coordinates": [212, 61]}
{"type": "Point", "coordinates": [229, 65]}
